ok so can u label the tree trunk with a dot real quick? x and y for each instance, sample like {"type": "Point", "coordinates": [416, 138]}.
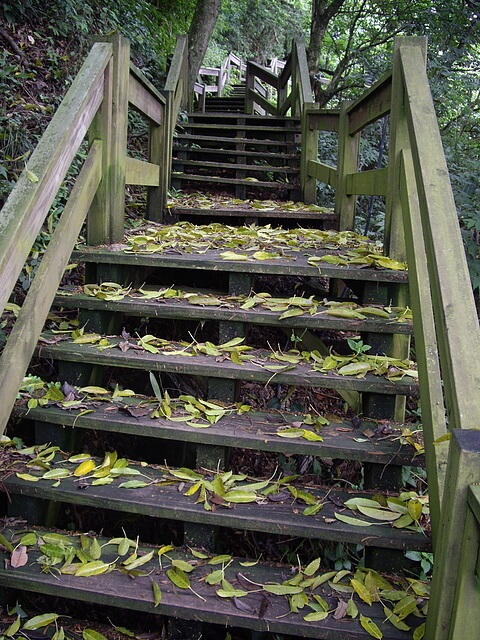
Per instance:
{"type": "Point", "coordinates": [201, 28]}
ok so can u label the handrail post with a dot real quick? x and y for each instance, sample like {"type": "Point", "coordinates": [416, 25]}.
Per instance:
{"type": "Point", "coordinates": [106, 219]}
{"type": "Point", "coordinates": [463, 470]}
{"type": "Point", "coordinates": [308, 184]}
{"type": "Point", "coordinates": [348, 148]}
{"type": "Point", "coordinates": [394, 243]}
{"type": "Point", "coordinates": [249, 87]}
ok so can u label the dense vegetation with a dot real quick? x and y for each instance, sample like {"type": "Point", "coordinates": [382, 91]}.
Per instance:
{"type": "Point", "coordinates": [350, 45]}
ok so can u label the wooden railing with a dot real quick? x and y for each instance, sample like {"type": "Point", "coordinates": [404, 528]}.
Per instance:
{"type": "Point", "coordinates": [292, 86]}
{"type": "Point", "coordinates": [222, 74]}
{"type": "Point", "coordinates": [96, 106]}
{"type": "Point", "coordinates": [421, 227]}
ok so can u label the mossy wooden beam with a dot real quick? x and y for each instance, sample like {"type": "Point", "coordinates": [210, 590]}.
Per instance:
{"type": "Point", "coordinates": [23, 338]}
{"type": "Point", "coordinates": [430, 379]}
{"type": "Point", "coordinates": [107, 214]}
{"type": "Point", "coordinates": [142, 173]}
{"type": "Point", "coordinates": [253, 430]}
{"type": "Point", "coordinates": [455, 314]}
{"type": "Point", "coordinates": [369, 183]}
{"type": "Point", "coordinates": [295, 263]}
{"type": "Point", "coordinates": [463, 470]}
{"type": "Point", "coordinates": [322, 172]}
{"type": "Point", "coordinates": [144, 97]}
{"type": "Point", "coordinates": [348, 149]}
{"type": "Point", "coordinates": [371, 105]}
{"type": "Point", "coordinates": [29, 202]}
{"type": "Point", "coordinates": [201, 365]}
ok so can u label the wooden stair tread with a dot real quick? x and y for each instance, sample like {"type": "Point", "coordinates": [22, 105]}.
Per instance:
{"type": "Point", "coordinates": [171, 308]}
{"type": "Point", "coordinates": [294, 263]}
{"type": "Point", "coordinates": [256, 213]}
{"type": "Point", "coordinates": [243, 181]}
{"type": "Point", "coordinates": [208, 366]}
{"type": "Point", "coordinates": [236, 140]}
{"type": "Point", "coordinates": [234, 166]}
{"type": "Point", "coordinates": [248, 117]}
{"type": "Point", "coordinates": [240, 127]}
{"type": "Point", "coordinates": [117, 589]}
{"type": "Point", "coordinates": [254, 430]}
{"type": "Point", "coordinates": [263, 155]}
{"type": "Point", "coordinates": [158, 501]}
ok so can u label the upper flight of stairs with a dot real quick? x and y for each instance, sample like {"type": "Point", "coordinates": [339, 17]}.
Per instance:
{"type": "Point", "coordinates": [243, 155]}
{"type": "Point", "coordinates": [208, 306]}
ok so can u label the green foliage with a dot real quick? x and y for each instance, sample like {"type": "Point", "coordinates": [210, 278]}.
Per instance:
{"type": "Point", "coordinates": [259, 30]}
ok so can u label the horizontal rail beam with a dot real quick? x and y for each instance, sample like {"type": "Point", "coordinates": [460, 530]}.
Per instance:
{"type": "Point", "coordinates": [140, 172]}
{"type": "Point", "coordinates": [28, 204]}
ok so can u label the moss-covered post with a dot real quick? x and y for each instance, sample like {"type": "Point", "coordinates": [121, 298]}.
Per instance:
{"type": "Point", "coordinates": [107, 214]}
{"type": "Point", "coordinates": [451, 564]}
{"type": "Point", "coordinates": [308, 184]}
{"type": "Point", "coordinates": [348, 147]}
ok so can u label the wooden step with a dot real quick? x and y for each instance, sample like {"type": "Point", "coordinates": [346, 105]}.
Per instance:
{"type": "Point", "coordinates": [279, 215]}
{"type": "Point", "coordinates": [259, 369]}
{"type": "Point", "coordinates": [374, 442]}
{"type": "Point", "coordinates": [247, 117]}
{"type": "Point", "coordinates": [135, 305]}
{"type": "Point", "coordinates": [253, 183]}
{"type": "Point", "coordinates": [294, 158]}
{"type": "Point", "coordinates": [164, 497]}
{"type": "Point", "coordinates": [259, 610]}
{"type": "Point", "coordinates": [197, 139]}
{"type": "Point", "coordinates": [293, 263]}
{"type": "Point", "coordinates": [201, 126]}
{"type": "Point", "coordinates": [249, 168]}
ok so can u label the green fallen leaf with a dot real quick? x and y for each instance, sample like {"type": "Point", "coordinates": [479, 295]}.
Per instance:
{"type": "Point", "coordinates": [370, 627]}
{"type": "Point", "coordinates": [38, 622]}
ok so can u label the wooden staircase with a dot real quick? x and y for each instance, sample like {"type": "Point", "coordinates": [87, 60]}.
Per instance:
{"type": "Point", "coordinates": [242, 154]}
{"type": "Point", "coordinates": [199, 387]}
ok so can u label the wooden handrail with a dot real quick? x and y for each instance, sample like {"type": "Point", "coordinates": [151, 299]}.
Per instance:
{"type": "Point", "coordinates": [420, 207]}
{"type": "Point", "coordinates": [293, 75]}
{"type": "Point", "coordinates": [97, 104]}
{"type": "Point", "coordinates": [29, 202]}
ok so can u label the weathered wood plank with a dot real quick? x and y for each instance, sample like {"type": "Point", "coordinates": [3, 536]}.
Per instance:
{"type": "Point", "coordinates": [180, 309]}
{"type": "Point", "coordinates": [323, 119]}
{"type": "Point", "coordinates": [253, 168]}
{"type": "Point", "coordinates": [371, 105]}
{"type": "Point", "coordinates": [22, 340]}
{"type": "Point", "coordinates": [456, 319]}
{"type": "Point", "coordinates": [309, 153]}
{"type": "Point", "coordinates": [292, 157]}
{"type": "Point", "coordinates": [120, 590]}
{"type": "Point", "coordinates": [278, 518]}
{"type": "Point", "coordinates": [348, 150]}
{"type": "Point", "coordinates": [264, 184]}
{"type": "Point", "coordinates": [233, 140]}
{"type": "Point", "coordinates": [323, 172]}
{"type": "Point", "coordinates": [27, 205]}
{"type": "Point", "coordinates": [430, 379]}
{"type": "Point", "coordinates": [211, 261]}
{"type": "Point", "coordinates": [327, 216]}
{"type": "Point", "coordinates": [463, 470]}
{"type": "Point", "coordinates": [207, 366]}
{"type": "Point", "coordinates": [144, 102]}
{"type": "Point", "coordinates": [142, 173]}
{"type": "Point", "coordinates": [368, 183]}
{"type": "Point", "coordinates": [254, 430]}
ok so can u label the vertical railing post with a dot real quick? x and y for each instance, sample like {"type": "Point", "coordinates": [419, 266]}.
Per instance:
{"type": "Point", "coordinates": [308, 184]}
{"type": "Point", "coordinates": [394, 242]}
{"type": "Point", "coordinates": [249, 86]}
{"type": "Point", "coordinates": [348, 147]}
{"type": "Point", "coordinates": [107, 214]}
{"type": "Point", "coordinates": [463, 470]}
